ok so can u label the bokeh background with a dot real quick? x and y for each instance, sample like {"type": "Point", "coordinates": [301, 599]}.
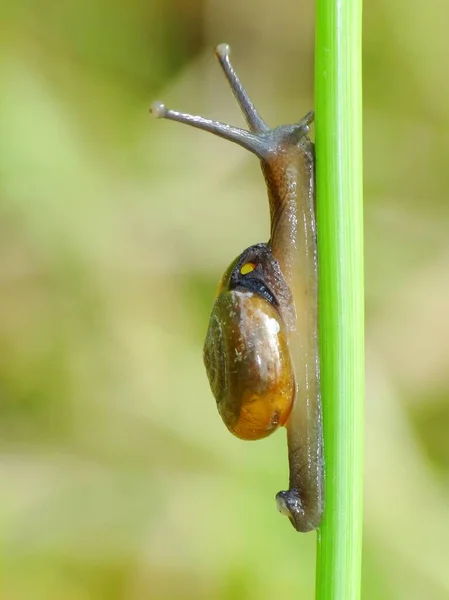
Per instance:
{"type": "Point", "coordinates": [118, 478]}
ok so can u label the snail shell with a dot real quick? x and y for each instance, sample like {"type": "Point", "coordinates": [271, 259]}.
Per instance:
{"type": "Point", "coordinates": [246, 351]}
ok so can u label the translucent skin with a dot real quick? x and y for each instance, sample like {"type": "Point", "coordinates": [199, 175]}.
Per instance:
{"type": "Point", "coordinates": [248, 364]}
{"type": "Point", "coordinates": [290, 175]}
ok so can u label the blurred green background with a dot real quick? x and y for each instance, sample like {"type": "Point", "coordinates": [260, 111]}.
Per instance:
{"type": "Point", "coordinates": [118, 478]}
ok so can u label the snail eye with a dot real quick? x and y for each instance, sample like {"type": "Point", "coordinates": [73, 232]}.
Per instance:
{"type": "Point", "coordinates": [247, 268]}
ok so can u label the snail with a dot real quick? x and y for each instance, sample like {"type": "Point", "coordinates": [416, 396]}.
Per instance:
{"type": "Point", "coordinates": [261, 349]}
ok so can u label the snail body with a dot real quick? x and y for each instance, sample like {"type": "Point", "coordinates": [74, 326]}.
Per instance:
{"type": "Point", "coordinates": [261, 349]}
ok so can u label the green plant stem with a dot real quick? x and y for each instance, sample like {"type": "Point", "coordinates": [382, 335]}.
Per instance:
{"type": "Point", "coordinates": [338, 104]}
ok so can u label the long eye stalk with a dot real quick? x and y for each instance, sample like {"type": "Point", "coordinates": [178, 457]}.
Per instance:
{"type": "Point", "coordinates": [247, 140]}
{"type": "Point", "coordinates": [261, 140]}
{"type": "Point", "coordinates": [254, 120]}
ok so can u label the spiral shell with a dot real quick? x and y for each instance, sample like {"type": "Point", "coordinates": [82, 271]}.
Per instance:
{"type": "Point", "coordinates": [247, 357]}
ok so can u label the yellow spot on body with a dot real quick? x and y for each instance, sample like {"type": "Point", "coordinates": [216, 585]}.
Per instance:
{"type": "Point", "coordinates": [247, 268]}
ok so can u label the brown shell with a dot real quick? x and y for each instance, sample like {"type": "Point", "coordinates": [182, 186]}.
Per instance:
{"type": "Point", "coordinates": [248, 364]}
